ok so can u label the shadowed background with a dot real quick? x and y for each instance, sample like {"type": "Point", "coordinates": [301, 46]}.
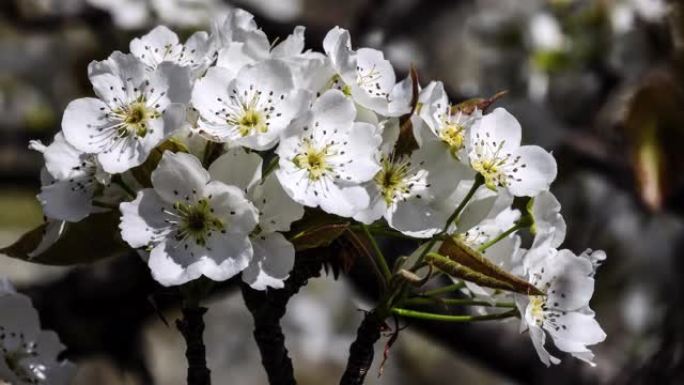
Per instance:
{"type": "Point", "coordinates": [598, 82]}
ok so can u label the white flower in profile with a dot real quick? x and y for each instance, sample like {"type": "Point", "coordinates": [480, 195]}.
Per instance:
{"type": "Point", "coordinates": [412, 191]}
{"type": "Point", "coordinates": [162, 45]}
{"type": "Point", "coordinates": [446, 123]}
{"type": "Point", "coordinates": [325, 156]}
{"type": "Point", "coordinates": [134, 111]}
{"type": "Point", "coordinates": [74, 184]}
{"type": "Point", "coordinates": [192, 226]}
{"type": "Point", "coordinates": [564, 311]}
{"type": "Point", "coordinates": [548, 223]}
{"type": "Point", "coordinates": [365, 75]}
{"type": "Point", "coordinates": [28, 355]}
{"type": "Point", "coordinates": [252, 109]}
{"type": "Point", "coordinates": [274, 255]}
{"type": "Point", "coordinates": [495, 152]}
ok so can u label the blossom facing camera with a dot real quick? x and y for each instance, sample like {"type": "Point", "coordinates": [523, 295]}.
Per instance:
{"type": "Point", "coordinates": [28, 355]}
{"type": "Point", "coordinates": [325, 157]}
{"type": "Point", "coordinates": [190, 225]}
{"type": "Point", "coordinates": [134, 111]}
{"type": "Point", "coordinates": [495, 152]}
{"type": "Point", "coordinates": [252, 109]}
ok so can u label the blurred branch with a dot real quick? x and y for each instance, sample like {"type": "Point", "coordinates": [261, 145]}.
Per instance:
{"type": "Point", "coordinates": [192, 329]}
{"type": "Point", "coordinates": [268, 307]}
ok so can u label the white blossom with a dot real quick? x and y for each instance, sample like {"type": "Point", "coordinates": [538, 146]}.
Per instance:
{"type": "Point", "coordinates": [74, 184]}
{"type": "Point", "coordinates": [412, 191]}
{"type": "Point", "coordinates": [274, 255]}
{"type": "Point", "coordinates": [446, 123]}
{"type": "Point", "coordinates": [134, 111]}
{"type": "Point", "coordinates": [325, 156]}
{"type": "Point", "coordinates": [162, 45]}
{"type": "Point", "coordinates": [192, 226]}
{"type": "Point", "coordinates": [28, 355]}
{"type": "Point", "coordinates": [564, 311]}
{"type": "Point", "coordinates": [547, 220]}
{"type": "Point", "coordinates": [495, 152]}
{"type": "Point", "coordinates": [252, 109]}
{"type": "Point", "coordinates": [365, 75]}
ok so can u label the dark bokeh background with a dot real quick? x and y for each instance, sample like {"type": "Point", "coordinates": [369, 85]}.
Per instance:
{"type": "Point", "coordinates": [598, 82]}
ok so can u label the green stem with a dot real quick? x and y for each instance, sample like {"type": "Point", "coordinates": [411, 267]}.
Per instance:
{"type": "Point", "coordinates": [452, 318]}
{"type": "Point", "coordinates": [501, 236]}
{"type": "Point", "coordinates": [455, 302]}
{"type": "Point", "coordinates": [479, 181]}
{"type": "Point", "coordinates": [379, 257]}
{"type": "Point", "coordinates": [443, 290]}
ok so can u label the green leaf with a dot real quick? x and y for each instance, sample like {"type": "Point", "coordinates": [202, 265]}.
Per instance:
{"type": "Point", "coordinates": [462, 254]}
{"type": "Point", "coordinates": [90, 240]}
{"type": "Point", "coordinates": [316, 229]}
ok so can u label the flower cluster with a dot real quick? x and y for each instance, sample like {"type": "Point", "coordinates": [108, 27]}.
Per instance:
{"type": "Point", "coordinates": [211, 148]}
{"type": "Point", "coordinates": [28, 355]}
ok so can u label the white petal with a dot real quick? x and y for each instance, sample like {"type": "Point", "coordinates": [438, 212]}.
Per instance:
{"type": "Point", "coordinates": [142, 219]}
{"type": "Point", "coordinates": [273, 260]}
{"type": "Point", "coordinates": [179, 176]}
{"type": "Point", "coordinates": [538, 340]}
{"type": "Point", "coordinates": [571, 284]}
{"type": "Point", "coordinates": [537, 175]}
{"type": "Point", "coordinates": [153, 47]}
{"type": "Point", "coordinates": [210, 91]}
{"type": "Point", "coordinates": [576, 328]}
{"type": "Point", "coordinates": [362, 150]}
{"type": "Point", "coordinates": [67, 200]}
{"type": "Point", "coordinates": [334, 109]}
{"type": "Point", "coordinates": [238, 168]}
{"type": "Point", "coordinates": [231, 205]}
{"type": "Point", "coordinates": [547, 218]}
{"type": "Point", "coordinates": [80, 123]}
{"type": "Point", "coordinates": [292, 45]}
{"type": "Point", "coordinates": [277, 210]}
{"type": "Point", "coordinates": [500, 126]}
{"type": "Point", "coordinates": [63, 161]}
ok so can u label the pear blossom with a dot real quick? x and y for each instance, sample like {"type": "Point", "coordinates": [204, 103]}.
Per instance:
{"type": "Point", "coordinates": [365, 75]}
{"type": "Point", "coordinates": [547, 220]}
{"type": "Point", "coordinates": [503, 253]}
{"type": "Point", "coordinates": [191, 225]}
{"type": "Point", "coordinates": [495, 152]}
{"type": "Point", "coordinates": [28, 355]}
{"type": "Point", "coordinates": [325, 156]}
{"type": "Point", "coordinates": [563, 313]}
{"type": "Point", "coordinates": [252, 109]}
{"type": "Point", "coordinates": [310, 70]}
{"type": "Point", "coordinates": [274, 255]}
{"type": "Point", "coordinates": [446, 123]}
{"type": "Point", "coordinates": [134, 111]}
{"type": "Point", "coordinates": [162, 45]}
{"type": "Point", "coordinates": [74, 184]}
{"type": "Point", "coordinates": [412, 191]}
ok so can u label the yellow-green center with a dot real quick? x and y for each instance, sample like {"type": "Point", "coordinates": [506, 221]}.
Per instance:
{"type": "Point", "coordinates": [391, 180]}
{"type": "Point", "coordinates": [134, 118]}
{"type": "Point", "coordinates": [537, 304]}
{"type": "Point", "coordinates": [491, 170]}
{"type": "Point", "coordinates": [314, 161]}
{"type": "Point", "coordinates": [252, 121]}
{"type": "Point", "coordinates": [452, 134]}
{"type": "Point", "coordinates": [197, 221]}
